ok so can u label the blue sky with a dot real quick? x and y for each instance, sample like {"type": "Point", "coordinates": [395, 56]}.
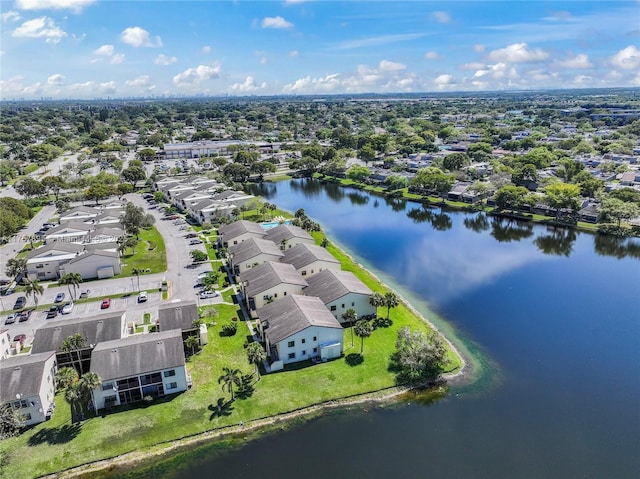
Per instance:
{"type": "Point", "coordinates": [97, 49]}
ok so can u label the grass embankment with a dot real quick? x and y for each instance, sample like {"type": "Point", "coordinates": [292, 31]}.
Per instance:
{"type": "Point", "coordinates": [150, 253]}
{"type": "Point", "coordinates": [57, 445]}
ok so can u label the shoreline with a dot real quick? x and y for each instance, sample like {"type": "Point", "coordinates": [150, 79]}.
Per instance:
{"type": "Point", "coordinates": [380, 397]}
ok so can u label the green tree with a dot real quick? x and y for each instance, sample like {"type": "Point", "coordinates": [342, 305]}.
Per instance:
{"type": "Point", "coordinates": [363, 329]}
{"type": "Point", "coordinates": [525, 175]}
{"type": "Point", "coordinates": [133, 174]}
{"type": "Point", "coordinates": [396, 182]}
{"type": "Point", "coordinates": [11, 421]}
{"type": "Point", "coordinates": [30, 187]}
{"type": "Point", "coordinates": [351, 316]}
{"type": "Point", "coordinates": [237, 172]}
{"type": "Point", "coordinates": [376, 300]}
{"type": "Point", "coordinates": [229, 378]}
{"type": "Point", "coordinates": [65, 377]}
{"type": "Point", "coordinates": [455, 161]}
{"type": "Point", "coordinates": [256, 355]}
{"type": "Point", "coordinates": [71, 279]}
{"type": "Point", "coordinates": [358, 173]}
{"type": "Point", "coordinates": [146, 154]}
{"type": "Point", "coordinates": [511, 197]}
{"type": "Point", "coordinates": [561, 196]}
{"type": "Point", "coordinates": [191, 343]}
{"type": "Point", "coordinates": [75, 343]}
{"type": "Point", "coordinates": [418, 356]}
{"type": "Point", "coordinates": [98, 191]}
{"type": "Point", "coordinates": [391, 300]}
{"type": "Point", "coordinates": [124, 189]}
{"type": "Point", "coordinates": [132, 218]}
{"type": "Point", "coordinates": [54, 184]}
{"type": "Point", "coordinates": [367, 153]}
{"type": "Point", "coordinates": [589, 185]}
{"type": "Point", "coordinates": [87, 383]}
{"type": "Point", "coordinates": [33, 288]}
{"type": "Point", "coordinates": [16, 267]}
{"type": "Point", "coordinates": [198, 256]}
{"type": "Point", "coordinates": [618, 210]}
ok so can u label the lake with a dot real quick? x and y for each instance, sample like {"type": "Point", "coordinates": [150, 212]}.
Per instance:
{"type": "Point", "coordinates": [552, 317]}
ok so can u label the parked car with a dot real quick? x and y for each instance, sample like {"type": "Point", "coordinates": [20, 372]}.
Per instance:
{"type": "Point", "coordinates": [21, 302]}
{"type": "Point", "coordinates": [67, 308]}
{"type": "Point", "coordinates": [204, 274]}
{"type": "Point", "coordinates": [59, 298]}
{"type": "Point", "coordinates": [85, 293]}
{"type": "Point", "coordinates": [142, 296]}
{"type": "Point", "coordinates": [191, 235]}
{"type": "Point", "coordinates": [9, 291]}
{"type": "Point", "coordinates": [20, 338]}
{"type": "Point", "coordinates": [106, 303]}
{"type": "Point", "coordinates": [208, 294]}
{"type": "Point", "coordinates": [10, 319]}
{"type": "Point", "coordinates": [53, 312]}
{"type": "Point", "coordinates": [25, 315]}
{"type": "Point", "coordinates": [195, 241]}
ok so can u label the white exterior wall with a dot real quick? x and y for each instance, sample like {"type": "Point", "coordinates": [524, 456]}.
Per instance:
{"type": "Point", "coordinates": [359, 302]}
{"type": "Point", "coordinates": [317, 266]}
{"type": "Point", "coordinates": [180, 379]}
{"type": "Point", "coordinates": [37, 405]}
{"type": "Point", "coordinates": [259, 259]}
{"type": "Point", "coordinates": [240, 238]}
{"type": "Point", "coordinates": [79, 217]}
{"type": "Point", "coordinates": [88, 268]}
{"type": "Point", "coordinates": [5, 345]}
{"type": "Point", "coordinates": [296, 241]}
{"type": "Point", "coordinates": [304, 351]}
{"type": "Point", "coordinates": [277, 292]}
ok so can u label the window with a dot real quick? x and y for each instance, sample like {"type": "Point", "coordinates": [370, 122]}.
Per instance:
{"type": "Point", "coordinates": [19, 404]}
{"type": "Point", "coordinates": [311, 271]}
{"type": "Point", "coordinates": [107, 386]}
{"type": "Point", "coordinates": [342, 305]}
{"type": "Point", "coordinates": [315, 350]}
{"type": "Point", "coordinates": [292, 355]}
{"type": "Point", "coordinates": [38, 266]}
{"type": "Point", "coordinates": [315, 338]}
{"type": "Point", "coordinates": [304, 273]}
{"type": "Point", "coordinates": [285, 293]}
{"type": "Point", "coordinates": [304, 353]}
{"type": "Point", "coordinates": [353, 303]}
{"type": "Point", "coordinates": [275, 295]}
{"type": "Point", "coordinates": [172, 386]}
{"type": "Point", "coordinates": [26, 417]}
{"type": "Point", "coordinates": [291, 344]}
{"type": "Point", "coordinates": [168, 374]}
{"type": "Point", "coordinates": [304, 340]}
{"type": "Point", "coordinates": [333, 307]}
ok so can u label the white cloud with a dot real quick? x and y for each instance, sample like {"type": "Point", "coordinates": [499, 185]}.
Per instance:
{"type": "Point", "coordinates": [479, 47]}
{"type": "Point", "coordinates": [107, 88]}
{"type": "Point", "coordinates": [263, 60]}
{"type": "Point", "coordinates": [307, 84]}
{"type": "Point", "coordinates": [388, 66]}
{"type": "Point", "coordinates": [248, 86]}
{"type": "Point", "coordinates": [195, 75]}
{"type": "Point", "coordinates": [294, 53]}
{"type": "Point", "coordinates": [206, 49]}
{"type": "Point", "coordinates": [139, 37]}
{"type": "Point", "coordinates": [10, 16]}
{"type": "Point", "coordinates": [139, 82]}
{"type": "Point", "coordinates": [582, 80]}
{"type": "Point", "coordinates": [41, 27]}
{"type": "Point", "coordinates": [444, 81]}
{"type": "Point", "coordinates": [518, 53]}
{"type": "Point", "coordinates": [628, 58]}
{"type": "Point", "coordinates": [473, 66]}
{"type": "Point", "coordinates": [276, 22]}
{"type": "Point", "coordinates": [441, 17]}
{"type": "Point", "coordinates": [56, 79]}
{"type": "Point", "coordinates": [381, 40]}
{"type": "Point", "coordinates": [74, 5]}
{"type": "Point", "coordinates": [164, 60]}
{"type": "Point", "coordinates": [498, 71]}
{"type": "Point", "coordinates": [104, 50]}
{"type": "Point", "coordinates": [579, 61]}
{"type": "Point", "coordinates": [117, 59]}
{"type": "Point", "coordinates": [432, 56]}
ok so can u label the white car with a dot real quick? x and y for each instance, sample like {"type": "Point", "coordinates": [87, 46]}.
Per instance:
{"type": "Point", "coordinates": [142, 297]}
{"type": "Point", "coordinates": [208, 294]}
{"type": "Point", "coordinates": [67, 308]}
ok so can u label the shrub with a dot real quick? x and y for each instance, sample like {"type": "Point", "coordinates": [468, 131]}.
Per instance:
{"type": "Point", "coordinates": [230, 329]}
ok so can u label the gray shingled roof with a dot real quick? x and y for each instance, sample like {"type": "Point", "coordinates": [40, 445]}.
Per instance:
{"type": "Point", "coordinates": [94, 253]}
{"type": "Point", "coordinates": [293, 314]}
{"type": "Point", "coordinates": [57, 246]}
{"type": "Point", "coordinates": [22, 375]}
{"type": "Point", "coordinates": [303, 254]}
{"type": "Point", "coordinates": [268, 275]}
{"type": "Point", "coordinates": [80, 209]}
{"type": "Point", "coordinates": [178, 315]}
{"type": "Point", "coordinates": [253, 247]}
{"type": "Point", "coordinates": [329, 285]}
{"type": "Point", "coordinates": [286, 232]}
{"type": "Point", "coordinates": [75, 225]}
{"type": "Point", "coordinates": [139, 354]}
{"type": "Point", "coordinates": [237, 228]}
{"type": "Point", "coordinates": [103, 327]}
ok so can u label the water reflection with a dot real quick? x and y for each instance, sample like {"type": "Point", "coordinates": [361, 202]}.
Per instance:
{"type": "Point", "coordinates": [505, 230]}
{"type": "Point", "coordinates": [266, 190]}
{"type": "Point", "coordinates": [477, 223]}
{"type": "Point", "coordinates": [616, 246]}
{"type": "Point", "coordinates": [396, 204]}
{"type": "Point", "coordinates": [358, 198]}
{"type": "Point", "coordinates": [310, 188]}
{"type": "Point", "coordinates": [439, 221]}
{"type": "Point", "coordinates": [559, 242]}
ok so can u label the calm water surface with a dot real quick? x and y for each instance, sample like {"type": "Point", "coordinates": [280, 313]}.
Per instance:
{"type": "Point", "coordinates": [555, 314]}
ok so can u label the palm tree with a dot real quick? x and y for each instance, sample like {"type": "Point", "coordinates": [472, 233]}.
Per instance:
{"type": "Point", "coordinates": [65, 377]}
{"type": "Point", "coordinates": [376, 300]}
{"type": "Point", "coordinates": [73, 395]}
{"type": "Point", "coordinates": [363, 330]}
{"type": "Point", "coordinates": [192, 343]}
{"type": "Point", "coordinates": [256, 354]}
{"type": "Point", "coordinates": [16, 266]}
{"type": "Point", "coordinates": [351, 316]}
{"type": "Point", "coordinates": [88, 382]}
{"type": "Point", "coordinates": [229, 378]}
{"type": "Point", "coordinates": [75, 343]}
{"type": "Point", "coordinates": [34, 288]}
{"type": "Point", "coordinates": [391, 300]}
{"type": "Point", "coordinates": [71, 279]}
{"type": "Point", "coordinates": [137, 272]}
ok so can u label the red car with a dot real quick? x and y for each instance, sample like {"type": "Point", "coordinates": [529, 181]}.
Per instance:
{"type": "Point", "coordinates": [21, 338]}
{"type": "Point", "coordinates": [106, 302]}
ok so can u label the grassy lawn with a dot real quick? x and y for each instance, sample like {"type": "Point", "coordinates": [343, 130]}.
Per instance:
{"type": "Point", "coordinates": [57, 445]}
{"type": "Point", "coordinates": [150, 253]}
